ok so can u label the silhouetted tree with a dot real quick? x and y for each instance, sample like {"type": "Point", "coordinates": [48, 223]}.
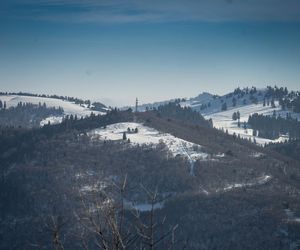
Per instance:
{"type": "Point", "coordinates": [224, 106]}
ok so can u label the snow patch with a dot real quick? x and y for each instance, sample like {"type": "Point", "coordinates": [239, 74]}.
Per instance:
{"type": "Point", "coordinates": [52, 120]}
{"type": "Point", "coordinates": [257, 155]}
{"type": "Point", "coordinates": [142, 207]}
{"type": "Point", "coordinates": [220, 155]}
{"type": "Point", "coordinates": [93, 188]}
{"type": "Point", "coordinates": [291, 216]}
{"type": "Point", "coordinates": [259, 181]}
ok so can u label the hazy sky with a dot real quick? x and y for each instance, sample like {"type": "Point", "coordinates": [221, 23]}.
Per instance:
{"type": "Point", "coordinates": [156, 50]}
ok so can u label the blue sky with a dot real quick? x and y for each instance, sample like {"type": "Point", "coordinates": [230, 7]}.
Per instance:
{"type": "Point", "coordinates": [156, 50]}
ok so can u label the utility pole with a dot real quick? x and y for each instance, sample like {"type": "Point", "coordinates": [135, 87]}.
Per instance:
{"type": "Point", "coordinates": [136, 104]}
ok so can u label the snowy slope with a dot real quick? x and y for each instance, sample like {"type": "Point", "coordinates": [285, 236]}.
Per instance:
{"type": "Point", "coordinates": [214, 103]}
{"type": "Point", "coordinates": [147, 135]}
{"type": "Point", "coordinates": [223, 120]}
{"type": "Point", "coordinates": [201, 98]}
{"type": "Point", "coordinates": [69, 108]}
{"type": "Point", "coordinates": [196, 102]}
{"type": "Point", "coordinates": [210, 107]}
{"type": "Point", "coordinates": [247, 102]}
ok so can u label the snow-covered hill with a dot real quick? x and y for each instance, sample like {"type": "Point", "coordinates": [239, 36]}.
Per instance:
{"type": "Point", "coordinates": [223, 120]}
{"type": "Point", "coordinates": [207, 103]}
{"type": "Point", "coordinates": [147, 135]}
{"type": "Point", "coordinates": [220, 109]}
{"type": "Point", "coordinates": [69, 108]}
{"type": "Point", "coordinates": [210, 106]}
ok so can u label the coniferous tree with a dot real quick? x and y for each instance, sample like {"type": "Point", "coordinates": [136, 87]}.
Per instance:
{"type": "Point", "coordinates": [234, 116]}
{"type": "Point", "coordinates": [224, 106]}
{"type": "Point", "coordinates": [124, 136]}
{"type": "Point", "coordinates": [296, 104]}
{"type": "Point", "coordinates": [233, 102]}
{"type": "Point", "coordinates": [273, 103]}
{"type": "Point", "coordinates": [271, 126]}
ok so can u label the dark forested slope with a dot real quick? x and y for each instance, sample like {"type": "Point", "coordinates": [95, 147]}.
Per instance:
{"type": "Point", "coordinates": [57, 180]}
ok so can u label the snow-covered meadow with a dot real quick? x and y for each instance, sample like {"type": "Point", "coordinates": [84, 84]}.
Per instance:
{"type": "Point", "coordinates": [223, 120]}
{"type": "Point", "coordinates": [147, 135]}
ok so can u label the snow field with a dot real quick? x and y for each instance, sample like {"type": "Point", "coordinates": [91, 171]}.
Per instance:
{"type": "Point", "coordinates": [147, 135]}
{"type": "Point", "coordinates": [224, 120]}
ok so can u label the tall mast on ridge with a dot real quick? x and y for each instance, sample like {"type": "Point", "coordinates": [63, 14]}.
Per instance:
{"type": "Point", "coordinates": [136, 104]}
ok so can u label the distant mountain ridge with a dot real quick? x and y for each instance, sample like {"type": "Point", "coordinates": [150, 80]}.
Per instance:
{"type": "Point", "coordinates": [268, 101]}
{"type": "Point", "coordinates": [71, 106]}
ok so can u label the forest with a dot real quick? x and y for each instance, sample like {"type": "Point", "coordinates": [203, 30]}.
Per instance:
{"type": "Point", "coordinates": [272, 127]}
{"type": "Point", "coordinates": [26, 115]}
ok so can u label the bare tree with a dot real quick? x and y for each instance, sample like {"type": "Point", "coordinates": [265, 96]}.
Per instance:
{"type": "Point", "coordinates": [55, 225]}
{"type": "Point", "coordinates": [116, 226]}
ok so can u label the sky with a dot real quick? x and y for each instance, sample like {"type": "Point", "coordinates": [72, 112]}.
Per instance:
{"type": "Point", "coordinates": [115, 51]}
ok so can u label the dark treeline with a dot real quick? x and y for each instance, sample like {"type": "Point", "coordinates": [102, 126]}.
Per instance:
{"type": "Point", "coordinates": [241, 93]}
{"type": "Point", "coordinates": [271, 127]}
{"type": "Point", "coordinates": [95, 105]}
{"type": "Point", "coordinates": [26, 115]}
{"type": "Point", "coordinates": [287, 100]}
{"type": "Point", "coordinates": [245, 91]}
{"type": "Point", "coordinates": [65, 98]}
{"type": "Point", "coordinates": [19, 142]}
{"type": "Point", "coordinates": [296, 104]}
{"type": "Point", "coordinates": [92, 121]}
{"type": "Point", "coordinates": [275, 92]}
{"type": "Point", "coordinates": [174, 110]}
{"type": "Point", "coordinates": [290, 148]}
